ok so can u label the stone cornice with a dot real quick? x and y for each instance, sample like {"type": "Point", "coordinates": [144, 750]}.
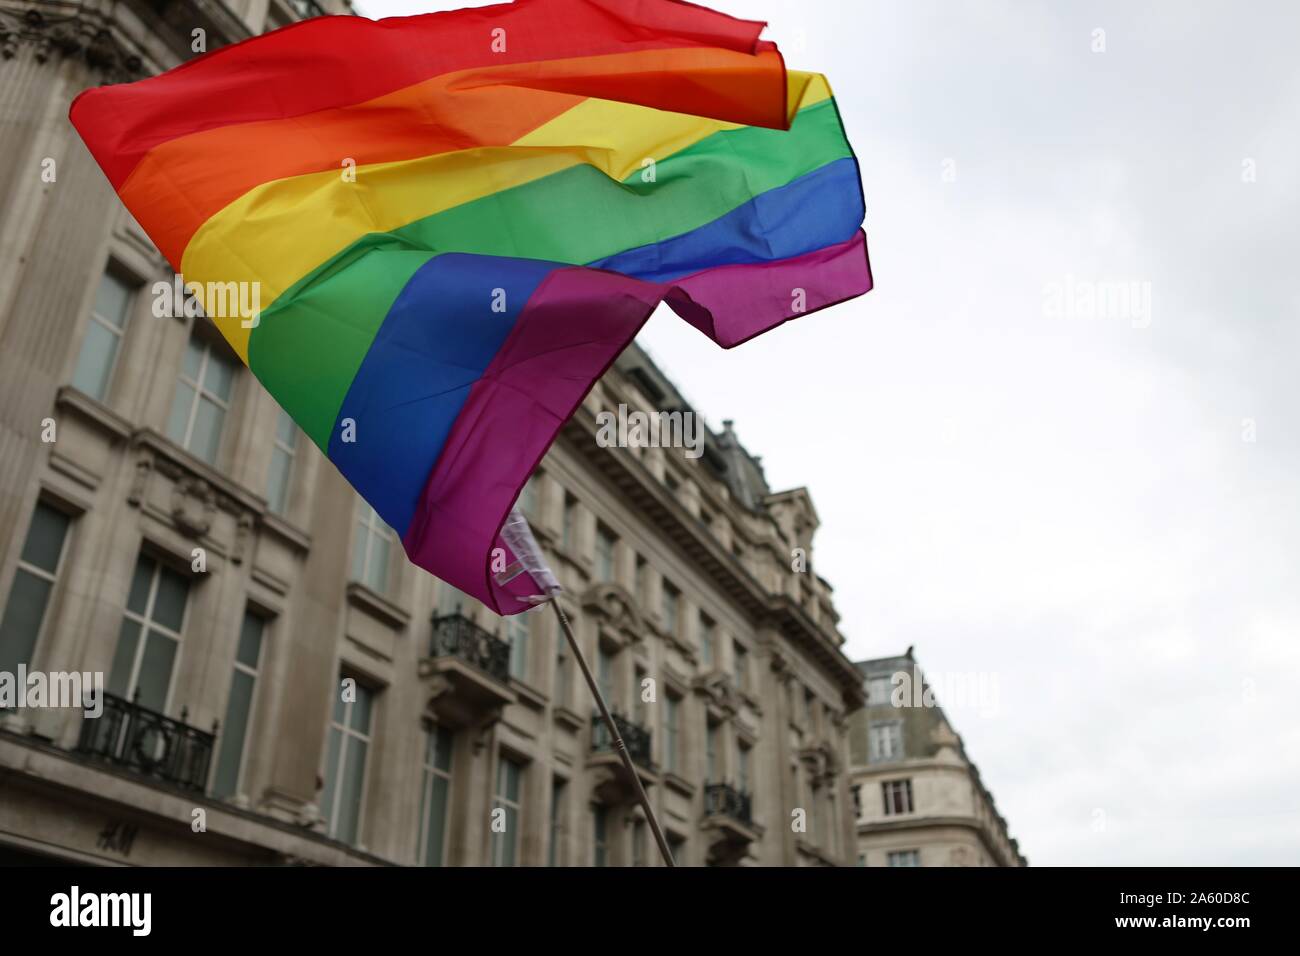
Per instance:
{"type": "Point", "coordinates": [869, 774]}
{"type": "Point", "coordinates": [72, 30]}
{"type": "Point", "coordinates": [162, 454]}
{"type": "Point", "coordinates": [377, 606]}
{"type": "Point", "coordinates": [635, 482]}
{"type": "Point", "coordinates": [174, 461]}
{"type": "Point", "coordinates": [977, 826]}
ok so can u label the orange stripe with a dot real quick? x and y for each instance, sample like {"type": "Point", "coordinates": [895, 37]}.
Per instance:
{"type": "Point", "coordinates": [326, 62]}
{"type": "Point", "coordinates": [182, 183]}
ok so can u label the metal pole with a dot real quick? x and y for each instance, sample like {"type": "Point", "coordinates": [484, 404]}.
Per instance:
{"type": "Point", "coordinates": [619, 747]}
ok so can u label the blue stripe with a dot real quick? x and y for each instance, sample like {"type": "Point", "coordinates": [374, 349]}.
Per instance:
{"type": "Point", "coordinates": [818, 209]}
{"type": "Point", "coordinates": [436, 341]}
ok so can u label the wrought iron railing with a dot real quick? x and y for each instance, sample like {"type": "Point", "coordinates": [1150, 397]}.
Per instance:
{"type": "Point", "coordinates": [307, 8]}
{"type": "Point", "coordinates": [635, 737]}
{"type": "Point", "coordinates": [148, 743]}
{"type": "Point", "coordinates": [722, 799]}
{"type": "Point", "coordinates": [455, 635]}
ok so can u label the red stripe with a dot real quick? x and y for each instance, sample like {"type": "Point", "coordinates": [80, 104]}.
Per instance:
{"type": "Point", "coordinates": [179, 184]}
{"type": "Point", "coordinates": [333, 61]}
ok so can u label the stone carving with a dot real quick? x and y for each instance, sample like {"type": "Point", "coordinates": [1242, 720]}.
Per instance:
{"type": "Point", "coordinates": [615, 610]}
{"type": "Point", "coordinates": [435, 684]}
{"type": "Point", "coordinates": [719, 690]}
{"type": "Point", "coordinates": [821, 762]}
{"type": "Point", "coordinates": [73, 31]}
{"type": "Point", "coordinates": [194, 504]}
{"type": "Point", "coordinates": [839, 721]}
{"type": "Point", "coordinates": [780, 665]}
{"type": "Point", "coordinates": [243, 531]}
{"type": "Point", "coordinates": [140, 482]}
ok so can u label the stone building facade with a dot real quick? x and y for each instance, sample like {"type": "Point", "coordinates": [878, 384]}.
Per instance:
{"type": "Point", "coordinates": [918, 797]}
{"type": "Point", "coordinates": [282, 686]}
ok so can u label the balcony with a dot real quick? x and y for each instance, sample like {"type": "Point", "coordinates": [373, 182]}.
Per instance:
{"type": "Point", "coordinates": [467, 671]}
{"type": "Point", "coordinates": [722, 799]}
{"type": "Point", "coordinates": [635, 737]}
{"type": "Point", "coordinates": [728, 819]}
{"type": "Point", "coordinates": [149, 744]}
{"type": "Point", "coordinates": [611, 783]}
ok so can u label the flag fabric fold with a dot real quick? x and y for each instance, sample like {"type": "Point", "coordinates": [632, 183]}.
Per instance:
{"type": "Point", "coordinates": [457, 221]}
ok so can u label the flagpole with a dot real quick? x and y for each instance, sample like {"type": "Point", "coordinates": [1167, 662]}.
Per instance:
{"type": "Point", "coordinates": [619, 747]}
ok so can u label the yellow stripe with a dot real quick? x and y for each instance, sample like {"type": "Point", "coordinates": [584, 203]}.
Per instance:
{"type": "Point", "coordinates": [278, 232]}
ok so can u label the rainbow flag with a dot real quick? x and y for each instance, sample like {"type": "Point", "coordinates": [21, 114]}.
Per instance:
{"type": "Point", "coordinates": [455, 222]}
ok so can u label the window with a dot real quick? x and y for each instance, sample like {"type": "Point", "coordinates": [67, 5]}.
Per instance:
{"type": "Point", "coordinates": [668, 609]}
{"type": "Point", "coordinates": [599, 835]}
{"type": "Point", "coordinates": [29, 595]}
{"type": "Point", "coordinates": [640, 575]}
{"type": "Point", "coordinates": [568, 533]}
{"type": "Point", "coordinates": [903, 858]}
{"type": "Point", "coordinates": [814, 810]}
{"type": "Point", "coordinates": [638, 842]}
{"type": "Point", "coordinates": [239, 706]}
{"type": "Point", "coordinates": [833, 831]}
{"type": "Point", "coordinates": [450, 598]}
{"type": "Point", "coordinates": [345, 767]}
{"type": "Point", "coordinates": [642, 717]}
{"type": "Point", "coordinates": [898, 796]}
{"type": "Point", "coordinates": [740, 663]}
{"type": "Point", "coordinates": [559, 794]}
{"type": "Point", "coordinates": [878, 691]}
{"type": "Point", "coordinates": [885, 741]}
{"type": "Point", "coordinates": [711, 753]}
{"type": "Point", "coordinates": [505, 844]}
{"type": "Point", "coordinates": [707, 628]}
{"type": "Point", "coordinates": [372, 549]}
{"type": "Point", "coordinates": [150, 638]}
{"type": "Point", "coordinates": [202, 399]}
{"type": "Point", "coordinates": [808, 708]}
{"type": "Point", "coordinates": [435, 797]}
{"type": "Point", "coordinates": [528, 498]}
{"type": "Point", "coordinates": [605, 542]}
{"type": "Point", "coordinates": [862, 859]}
{"type": "Point", "coordinates": [857, 801]}
{"type": "Point", "coordinates": [103, 336]}
{"type": "Point", "coordinates": [282, 454]}
{"type": "Point", "coordinates": [517, 631]}
{"type": "Point", "coordinates": [605, 675]}
{"type": "Point", "coordinates": [742, 767]}
{"type": "Point", "coordinates": [672, 732]}
{"type": "Point", "coordinates": [561, 669]}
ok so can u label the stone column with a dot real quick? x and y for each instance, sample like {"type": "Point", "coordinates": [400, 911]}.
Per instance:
{"type": "Point", "coordinates": [51, 244]}
{"type": "Point", "coordinates": [312, 647]}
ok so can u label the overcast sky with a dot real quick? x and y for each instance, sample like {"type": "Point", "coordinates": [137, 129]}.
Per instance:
{"type": "Point", "coordinates": [1094, 507]}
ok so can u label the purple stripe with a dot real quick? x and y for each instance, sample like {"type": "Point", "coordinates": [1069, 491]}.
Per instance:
{"type": "Point", "coordinates": [741, 301]}
{"type": "Point", "coordinates": [569, 333]}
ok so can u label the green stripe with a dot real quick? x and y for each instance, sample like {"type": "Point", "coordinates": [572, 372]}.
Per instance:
{"type": "Point", "coordinates": [311, 341]}
{"type": "Point", "coordinates": [309, 344]}
{"type": "Point", "coordinates": [578, 215]}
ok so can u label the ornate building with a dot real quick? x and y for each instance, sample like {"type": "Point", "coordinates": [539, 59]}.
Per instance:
{"type": "Point", "coordinates": [918, 797]}
{"type": "Point", "coordinates": [281, 685]}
